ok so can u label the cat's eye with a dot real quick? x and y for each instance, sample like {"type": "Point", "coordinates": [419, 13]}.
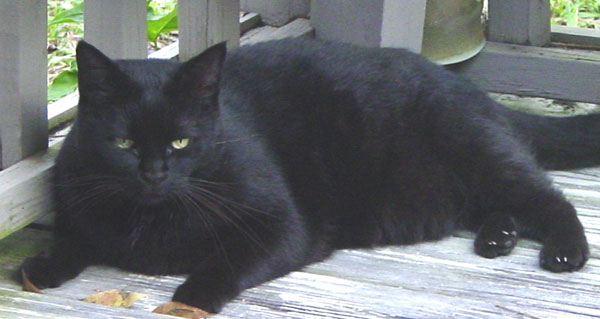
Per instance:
{"type": "Point", "coordinates": [123, 143]}
{"type": "Point", "coordinates": [180, 143]}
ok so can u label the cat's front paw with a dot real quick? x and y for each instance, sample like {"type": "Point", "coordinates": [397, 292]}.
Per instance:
{"type": "Point", "coordinates": [200, 297]}
{"type": "Point", "coordinates": [41, 271]}
{"type": "Point", "coordinates": [564, 257]}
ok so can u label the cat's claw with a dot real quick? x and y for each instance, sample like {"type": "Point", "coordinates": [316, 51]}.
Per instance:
{"type": "Point", "coordinates": [564, 258]}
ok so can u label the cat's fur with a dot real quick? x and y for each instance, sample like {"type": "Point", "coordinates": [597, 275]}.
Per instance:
{"type": "Point", "coordinates": [298, 148]}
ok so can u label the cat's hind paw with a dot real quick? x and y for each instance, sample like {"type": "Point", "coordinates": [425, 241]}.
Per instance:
{"type": "Point", "coordinates": [496, 237]}
{"type": "Point", "coordinates": [561, 258]}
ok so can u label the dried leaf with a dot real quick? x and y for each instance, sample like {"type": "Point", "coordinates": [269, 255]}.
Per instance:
{"type": "Point", "coordinates": [131, 298]}
{"type": "Point", "coordinates": [179, 309]}
{"type": "Point", "coordinates": [114, 298]}
{"type": "Point", "coordinates": [27, 284]}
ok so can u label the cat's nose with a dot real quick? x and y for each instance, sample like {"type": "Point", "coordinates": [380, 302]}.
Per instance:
{"type": "Point", "coordinates": [154, 176]}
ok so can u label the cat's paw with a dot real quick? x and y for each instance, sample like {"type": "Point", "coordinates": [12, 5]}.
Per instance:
{"type": "Point", "coordinates": [41, 271]}
{"type": "Point", "coordinates": [496, 237]}
{"type": "Point", "coordinates": [199, 297]}
{"type": "Point", "coordinates": [564, 257]}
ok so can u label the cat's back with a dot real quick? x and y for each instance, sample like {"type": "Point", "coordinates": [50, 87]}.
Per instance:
{"type": "Point", "coordinates": [308, 61]}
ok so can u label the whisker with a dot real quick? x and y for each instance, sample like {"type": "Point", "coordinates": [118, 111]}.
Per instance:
{"type": "Point", "coordinates": [213, 205]}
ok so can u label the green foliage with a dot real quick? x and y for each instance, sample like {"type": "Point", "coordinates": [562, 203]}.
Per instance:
{"type": "Point", "coordinates": [63, 84]}
{"type": "Point", "coordinates": [576, 13]}
{"type": "Point", "coordinates": [73, 15]}
{"type": "Point", "coordinates": [160, 21]}
{"type": "Point", "coordinates": [65, 27]}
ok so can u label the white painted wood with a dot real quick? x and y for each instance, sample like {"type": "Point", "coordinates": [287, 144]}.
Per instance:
{"type": "Point", "coordinates": [117, 28]}
{"type": "Point", "coordinates": [403, 24]}
{"type": "Point", "coordinates": [519, 21]}
{"type": "Point", "coordinates": [277, 13]}
{"type": "Point", "coordinates": [203, 23]}
{"type": "Point", "coordinates": [388, 23]}
{"type": "Point", "coordinates": [23, 127]}
{"type": "Point", "coordinates": [351, 21]}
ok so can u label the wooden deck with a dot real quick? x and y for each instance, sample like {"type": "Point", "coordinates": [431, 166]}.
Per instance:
{"type": "Point", "coordinates": [430, 280]}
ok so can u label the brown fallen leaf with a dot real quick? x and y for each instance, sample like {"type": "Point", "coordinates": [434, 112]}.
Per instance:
{"type": "Point", "coordinates": [114, 298]}
{"type": "Point", "coordinates": [27, 284]}
{"type": "Point", "coordinates": [182, 310]}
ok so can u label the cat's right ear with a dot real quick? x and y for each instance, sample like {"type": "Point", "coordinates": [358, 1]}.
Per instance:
{"type": "Point", "coordinates": [99, 77]}
{"type": "Point", "coordinates": [198, 78]}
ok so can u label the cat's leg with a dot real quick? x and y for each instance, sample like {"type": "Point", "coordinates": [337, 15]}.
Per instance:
{"type": "Point", "coordinates": [241, 264]}
{"type": "Point", "coordinates": [497, 236]}
{"type": "Point", "coordinates": [511, 182]}
{"type": "Point", "coordinates": [51, 269]}
{"type": "Point", "coordinates": [501, 175]}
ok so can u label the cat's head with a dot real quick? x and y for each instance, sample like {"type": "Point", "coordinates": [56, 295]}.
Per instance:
{"type": "Point", "coordinates": [146, 125]}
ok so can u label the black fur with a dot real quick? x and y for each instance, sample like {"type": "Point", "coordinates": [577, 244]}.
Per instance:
{"type": "Point", "coordinates": [298, 148]}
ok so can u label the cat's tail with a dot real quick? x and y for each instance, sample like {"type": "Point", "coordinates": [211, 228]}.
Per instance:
{"type": "Point", "coordinates": [560, 142]}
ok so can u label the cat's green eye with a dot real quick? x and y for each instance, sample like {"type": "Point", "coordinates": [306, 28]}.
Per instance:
{"type": "Point", "coordinates": [123, 143]}
{"type": "Point", "coordinates": [180, 143]}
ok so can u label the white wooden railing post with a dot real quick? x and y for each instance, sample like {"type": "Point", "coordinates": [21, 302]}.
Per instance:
{"type": "Point", "coordinates": [23, 114]}
{"type": "Point", "coordinates": [519, 21]}
{"type": "Point", "coordinates": [203, 23]}
{"type": "Point", "coordinates": [117, 28]}
{"type": "Point", "coordinates": [375, 23]}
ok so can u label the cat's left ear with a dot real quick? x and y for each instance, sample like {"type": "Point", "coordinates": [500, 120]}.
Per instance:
{"type": "Point", "coordinates": [200, 76]}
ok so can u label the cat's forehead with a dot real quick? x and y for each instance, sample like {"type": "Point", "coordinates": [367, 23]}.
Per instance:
{"type": "Point", "coordinates": [150, 74]}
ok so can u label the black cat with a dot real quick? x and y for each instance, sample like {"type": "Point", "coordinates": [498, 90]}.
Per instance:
{"type": "Point", "coordinates": [239, 170]}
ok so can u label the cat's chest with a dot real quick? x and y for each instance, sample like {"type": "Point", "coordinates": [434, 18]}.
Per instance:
{"type": "Point", "coordinates": [156, 247]}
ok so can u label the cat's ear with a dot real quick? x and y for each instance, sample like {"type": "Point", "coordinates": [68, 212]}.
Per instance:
{"type": "Point", "coordinates": [99, 77]}
{"type": "Point", "coordinates": [199, 77]}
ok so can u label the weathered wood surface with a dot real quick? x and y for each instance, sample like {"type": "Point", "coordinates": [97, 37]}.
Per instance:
{"type": "Point", "coordinates": [25, 191]}
{"type": "Point", "coordinates": [545, 72]}
{"type": "Point", "coordinates": [579, 36]}
{"type": "Point", "coordinates": [430, 280]}
{"type": "Point", "coordinates": [203, 23]}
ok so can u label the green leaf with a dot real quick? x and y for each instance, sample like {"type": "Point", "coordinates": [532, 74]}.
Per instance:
{"type": "Point", "coordinates": [63, 84]}
{"type": "Point", "coordinates": [74, 15]}
{"type": "Point", "coordinates": [161, 24]}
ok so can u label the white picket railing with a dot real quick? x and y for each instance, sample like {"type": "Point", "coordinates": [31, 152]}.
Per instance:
{"type": "Point", "coordinates": [118, 28]}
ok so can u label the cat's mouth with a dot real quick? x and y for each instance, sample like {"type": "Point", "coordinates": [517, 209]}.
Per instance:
{"type": "Point", "coordinates": [152, 194]}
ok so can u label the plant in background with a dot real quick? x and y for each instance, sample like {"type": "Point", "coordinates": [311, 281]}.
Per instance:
{"type": "Point", "coordinates": [65, 27]}
{"type": "Point", "coordinates": [576, 13]}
